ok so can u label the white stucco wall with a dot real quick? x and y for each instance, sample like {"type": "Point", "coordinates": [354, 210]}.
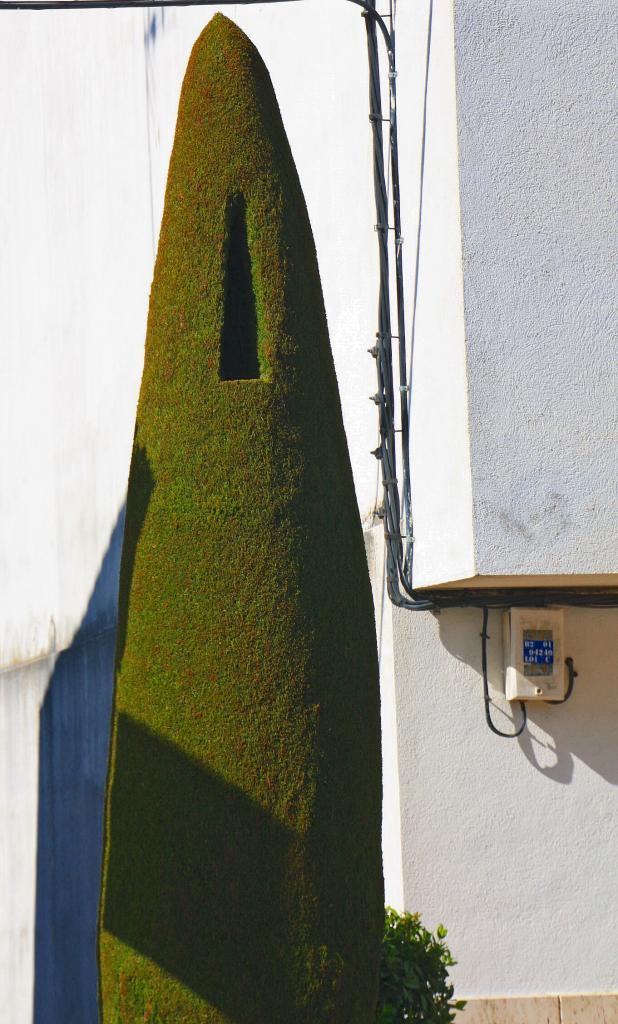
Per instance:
{"type": "Point", "coordinates": [441, 459]}
{"type": "Point", "coordinates": [515, 361]}
{"type": "Point", "coordinates": [19, 743]}
{"type": "Point", "coordinates": [512, 843]}
{"type": "Point", "coordinates": [392, 849]}
{"type": "Point", "coordinates": [75, 267]}
{"type": "Point", "coordinates": [538, 142]}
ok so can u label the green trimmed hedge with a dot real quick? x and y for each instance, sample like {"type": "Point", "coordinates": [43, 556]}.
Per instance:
{"type": "Point", "coordinates": [242, 870]}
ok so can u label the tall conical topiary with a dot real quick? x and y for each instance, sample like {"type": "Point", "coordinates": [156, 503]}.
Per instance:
{"type": "Point", "coordinates": [242, 870]}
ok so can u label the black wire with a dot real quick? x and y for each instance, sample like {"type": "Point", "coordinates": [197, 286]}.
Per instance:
{"type": "Point", "coordinates": [572, 677]}
{"type": "Point", "coordinates": [105, 5]}
{"type": "Point", "coordinates": [523, 597]}
{"type": "Point", "coordinates": [95, 5]}
{"type": "Point", "coordinates": [398, 585]}
{"type": "Point", "coordinates": [506, 735]}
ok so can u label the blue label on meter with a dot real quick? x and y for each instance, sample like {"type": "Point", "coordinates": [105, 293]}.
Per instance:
{"type": "Point", "coordinates": [538, 652]}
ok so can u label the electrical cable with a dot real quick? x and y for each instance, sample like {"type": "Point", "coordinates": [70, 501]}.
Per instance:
{"type": "Point", "coordinates": [525, 597]}
{"type": "Point", "coordinates": [95, 5]}
{"type": "Point", "coordinates": [398, 583]}
{"type": "Point", "coordinates": [572, 677]}
{"type": "Point", "coordinates": [494, 728]}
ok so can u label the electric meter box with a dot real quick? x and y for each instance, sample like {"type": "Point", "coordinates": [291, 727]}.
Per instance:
{"type": "Point", "coordinates": [534, 666]}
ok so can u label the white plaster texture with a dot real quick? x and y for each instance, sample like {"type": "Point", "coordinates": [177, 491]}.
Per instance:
{"type": "Point", "coordinates": [538, 143]}
{"type": "Point", "coordinates": [75, 268]}
{"type": "Point", "coordinates": [440, 449]}
{"type": "Point", "coordinates": [20, 702]}
{"type": "Point", "coordinates": [515, 466]}
{"type": "Point", "coordinates": [511, 843]}
{"type": "Point", "coordinates": [391, 807]}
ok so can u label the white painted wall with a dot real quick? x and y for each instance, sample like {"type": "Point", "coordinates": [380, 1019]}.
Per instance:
{"type": "Point", "coordinates": [538, 139]}
{"type": "Point", "coordinates": [391, 805]}
{"type": "Point", "coordinates": [75, 267]}
{"type": "Point", "coordinates": [441, 458]}
{"type": "Point", "coordinates": [515, 461]}
{"type": "Point", "coordinates": [19, 743]}
{"type": "Point", "coordinates": [516, 858]}
{"type": "Point", "coordinates": [512, 843]}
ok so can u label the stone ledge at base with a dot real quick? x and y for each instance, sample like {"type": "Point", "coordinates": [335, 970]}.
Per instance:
{"type": "Point", "coordinates": [593, 1008]}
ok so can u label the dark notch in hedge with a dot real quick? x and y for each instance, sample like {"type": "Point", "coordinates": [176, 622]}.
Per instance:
{"type": "Point", "coordinates": [239, 337]}
{"type": "Point", "coordinates": [242, 866]}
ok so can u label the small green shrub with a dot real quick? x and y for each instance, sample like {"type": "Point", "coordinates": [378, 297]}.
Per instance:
{"type": "Point", "coordinates": [414, 984]}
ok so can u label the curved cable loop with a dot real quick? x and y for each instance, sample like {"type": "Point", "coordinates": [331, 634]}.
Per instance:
{"type": "Point", "coordinates": [494, 728]}
{"type": "Point", "coordinates": [572, 677]}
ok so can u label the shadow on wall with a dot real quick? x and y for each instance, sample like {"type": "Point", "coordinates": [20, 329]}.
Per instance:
{"type": "Point", "coordinates": [73, 751]}
{"type": "Point", "coordinates": [585, 727]}
{"type": "Point", "coordinates": [155, 23]}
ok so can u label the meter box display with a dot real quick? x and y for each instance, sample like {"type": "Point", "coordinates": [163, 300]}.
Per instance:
{"type": "Point", "coordinates": [534, 666]}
